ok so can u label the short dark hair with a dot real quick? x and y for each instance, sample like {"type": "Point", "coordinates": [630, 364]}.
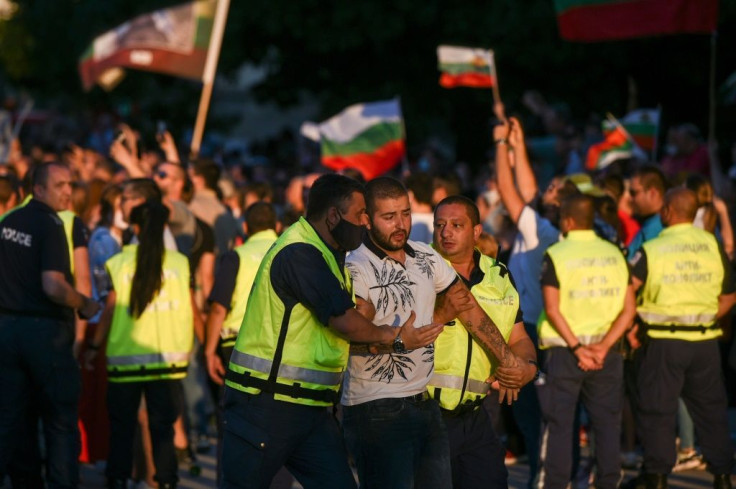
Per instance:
{"type": "Point", "coordinates": [208, 170]}
{"type": "Point", "coordinates": [421, 185]}
{"type": "Point", "coordinates": [40, 175]}
{"type": "Point", "coordinates": [383, 188]}
{"type": "Point", "coordinates": [581, 208]}
{"type": "Point", "coordinates": [651, 176]}
{"type": "Point", "coordinates": [260, 216]}
{"type": "Point", "coordinates": [331, 190]}
{"type": "Point", "coordinates": [470, 208]}
{"type": "Point", "coordinates": [145, 188]}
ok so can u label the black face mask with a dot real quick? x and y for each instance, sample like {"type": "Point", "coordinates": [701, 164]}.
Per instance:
{"type": "Point", "coordinates": [348, 235]}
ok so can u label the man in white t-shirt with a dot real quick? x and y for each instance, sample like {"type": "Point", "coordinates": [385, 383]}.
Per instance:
{"type": "Point", "coordinates": [393, 429]}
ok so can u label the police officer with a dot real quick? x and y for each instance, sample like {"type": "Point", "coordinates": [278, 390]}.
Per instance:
{"type": "Point", "coordinates": [149, 318]}
{"type": "Point", "coordinates": [37, 326]}
{"type": "Point", "coordinates": [292, 348]}
{"type": "Point", "coordinates": [685, 286]}
{"type": "Point", "coordinates": [461, 366]}
{"type": "Point", "coordinates": [230, 293]}
{"type": "Point", "coordinates": [234, 279]}
{"type": "Point", "coordinates": [588, 305]}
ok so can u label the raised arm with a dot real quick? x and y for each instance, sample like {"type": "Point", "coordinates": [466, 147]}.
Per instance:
{"type": "Point", "coordinates": [525, 179]}
{"type": "Point", "coordinates": [510, 196]}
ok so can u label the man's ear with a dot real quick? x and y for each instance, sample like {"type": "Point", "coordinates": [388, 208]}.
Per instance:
{"type": "Point", "coordinates": [332, 216]}
{"type": "Point", "coordinates": [477, 230]}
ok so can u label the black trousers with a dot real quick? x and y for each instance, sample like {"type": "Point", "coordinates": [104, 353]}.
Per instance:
{"type": "Point", "coordinates": [123, 401]}
{"type": "Point", "coordinates": [601, 392]}
{"type": "Point", "coordinates": [476, 454]}
{"type": "Point", "coordinates": [692, 370]}
{"type": "Point", "coordinates": [36, 362]}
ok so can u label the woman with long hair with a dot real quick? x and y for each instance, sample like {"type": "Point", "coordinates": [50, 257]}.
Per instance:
{"type": "Point", "coordinates": [149, 315]}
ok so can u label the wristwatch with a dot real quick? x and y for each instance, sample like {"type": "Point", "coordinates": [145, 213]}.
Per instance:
{"type": "Point", "coordinates": [533, 362]}
{"type": "Point", "coordinates": [399, 345]}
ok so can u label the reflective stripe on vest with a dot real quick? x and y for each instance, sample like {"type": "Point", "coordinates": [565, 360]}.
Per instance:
{"type": "Point", "coordinates": [593, 278]}
{"type": "Point", "coordinates": [287, 371]}
{"type": "Point", "coordinates": [684, 279]}
{"type": "Point", "coordinates": [684, 319]}
{"type": "Point", "coordinates": [454, 382]}
{"type": "Point", "coordinates": [151, 358]}
{"type": "Point", "coordinates": [583, 339]}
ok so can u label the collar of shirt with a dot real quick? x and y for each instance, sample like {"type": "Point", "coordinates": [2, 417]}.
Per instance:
{"type": "Point", "coordinates": [37, 204]}
{"type": "Point", "coordinates": [373, 247]}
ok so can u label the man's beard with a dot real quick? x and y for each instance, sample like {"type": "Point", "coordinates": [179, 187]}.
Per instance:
{"type": "Point", "coordinates": [384, 241]}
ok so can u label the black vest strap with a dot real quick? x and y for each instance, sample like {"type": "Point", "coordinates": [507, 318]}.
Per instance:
{"type": "Point", "coordinates": [296, 391]}
{"type": "Point", "coordinates": [121, 374]}
{"type": "Point", "coordinates": [672, 328]}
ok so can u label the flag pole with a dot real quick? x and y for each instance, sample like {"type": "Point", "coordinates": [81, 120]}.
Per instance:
{"type": "Point", "coordinates": [620, 126]}
{"type": "Point", "coordinates": [712, 89]}
{"type": "Point", "coordinates": [494, 87]}
{"type": "Point", "coordinates": [208, 77]}
{"type": "Point", "coordinates": [405, 170]}
{"type": "Point", "coordinates": [656, 133]}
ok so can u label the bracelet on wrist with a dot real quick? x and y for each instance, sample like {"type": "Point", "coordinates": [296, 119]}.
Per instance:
{"type": "Point", "coordinates": [573, 349]}
{"type": "Point", "coordinates": [501, 141]}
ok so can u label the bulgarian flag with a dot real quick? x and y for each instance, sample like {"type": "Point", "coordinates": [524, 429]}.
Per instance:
{"type": "Point", "coordinates": [172, 41]}
{"type": "Point", "coordinates": [367, 137]}
{"type": "Point", "coordinates": [466, 67]}
{"type": "Point", "coordinates": [641, 124]}
{"type": "Point", "coordinates": [617, 144]}
{"type": "Point", "coordinates": [605, 20]}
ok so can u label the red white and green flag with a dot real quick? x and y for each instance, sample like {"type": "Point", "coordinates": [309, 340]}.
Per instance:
{"type": "Point", "coordinates": [606, 20]}
{"type": "Point", "coordinates": [173, 41]}
{"type": "Point", "coordinates": [641, 124]}
{"type": "Point", "coordinates": [367, 137]}
{"type": "Point", "coordinates": [616, 145]}
{"type": "Point", "coordinates": [466, 67]}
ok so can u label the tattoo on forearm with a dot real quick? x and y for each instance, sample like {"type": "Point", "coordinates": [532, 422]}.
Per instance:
{"type": "Point", "coordinates": [491, 340]}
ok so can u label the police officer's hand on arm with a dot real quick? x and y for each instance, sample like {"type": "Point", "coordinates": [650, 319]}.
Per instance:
{"type": "Point", "coordinates": [59, 291]}
{"type": "Point", "coordinates": [411, 337]}
{"type": "Point", "coordinates": [620, 325]}
{"type": "Point", "coordinates": [450, 304]}
{"type": "Point", "coordinates": [100, 337]}
{"type": "Point", "coordinates": [523, 347]}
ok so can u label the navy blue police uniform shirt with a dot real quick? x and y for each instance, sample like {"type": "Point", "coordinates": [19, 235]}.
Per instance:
{"type": "Point", "coordinates": [32, 240]}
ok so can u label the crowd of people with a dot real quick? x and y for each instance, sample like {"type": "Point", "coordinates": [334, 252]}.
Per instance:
{"type": "Point", "coordinates": [421, 329]}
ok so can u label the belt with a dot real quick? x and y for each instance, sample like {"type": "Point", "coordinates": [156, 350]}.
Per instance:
{"type": "Point", "coordinates": [673, 328]}
{"type": "Point", "coordinates": [462, 408]}
{"type": "Point", "coordinates": [421, 397]}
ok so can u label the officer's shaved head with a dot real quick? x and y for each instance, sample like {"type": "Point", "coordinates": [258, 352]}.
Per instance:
{"type": "Point", "coordinates": [681, 204]}
{"type": "Point", "coordinates": [580, 208]}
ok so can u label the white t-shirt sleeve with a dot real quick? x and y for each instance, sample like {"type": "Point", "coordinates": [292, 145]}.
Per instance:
{"type": "Point", "coordinates": [527, 226]}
